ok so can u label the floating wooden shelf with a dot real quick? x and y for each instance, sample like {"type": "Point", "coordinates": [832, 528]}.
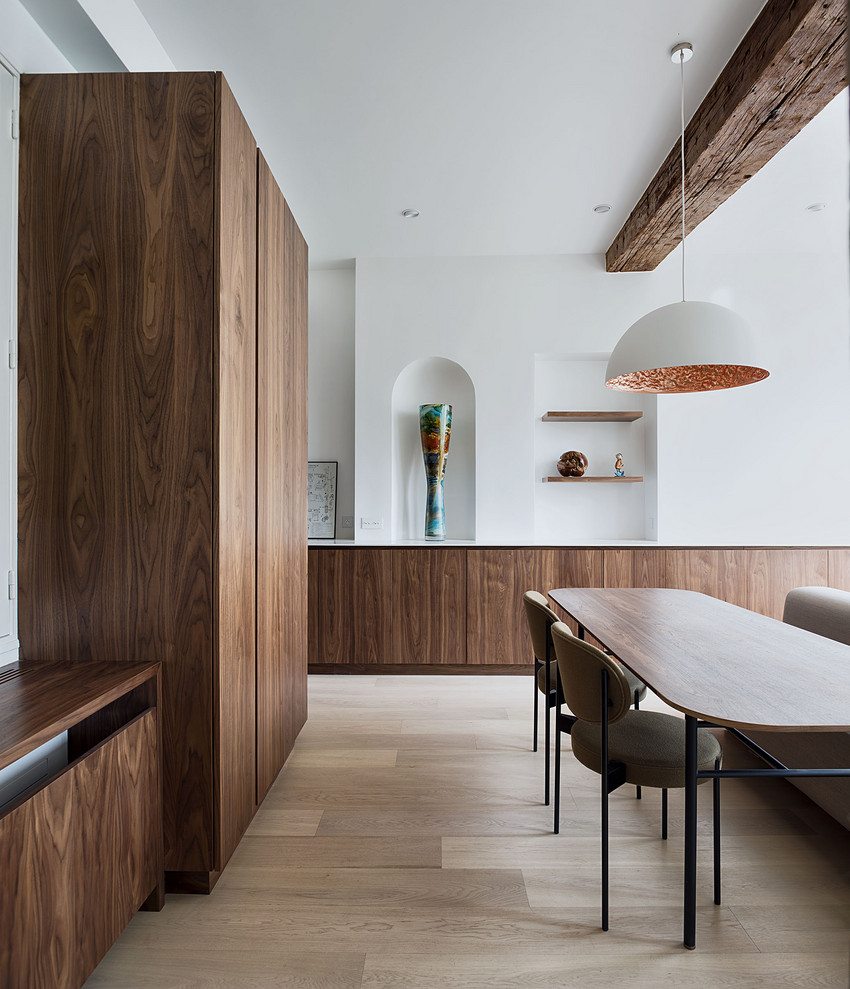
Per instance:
{"type": "Point", "coordinates": [591, 416]}
{"type": "Point", "coordinates": [558, 479]}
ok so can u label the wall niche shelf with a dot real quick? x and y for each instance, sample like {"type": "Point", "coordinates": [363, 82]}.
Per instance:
{"type": "Point", "coordinates": [591, 416]}
{"type": "Point", "coordinates": [605, 480]}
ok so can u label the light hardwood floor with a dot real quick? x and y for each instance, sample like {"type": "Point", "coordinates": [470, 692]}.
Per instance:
{"type": "Point", "coordinates": [405, 846]}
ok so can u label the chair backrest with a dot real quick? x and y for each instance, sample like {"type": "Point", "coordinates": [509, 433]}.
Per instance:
{"type": "Point", "coordinates": [823, 610]}
{"type": "Point", "coordinates": [540, 619]}
{"type": "Point", "coordinates": [580, 667]}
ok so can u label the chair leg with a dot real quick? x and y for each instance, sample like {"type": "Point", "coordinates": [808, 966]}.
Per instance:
{"type": "Point", "coordinates": [716, 802]}
{"type": "Point", "coordinates": [556, 826]}
{"type": "Point", "coordinates": [637, 708]}
{"type": "Point", "coordinates": [604, 778]}
{"type": "Point", "coordinates": [664, 814]}
{"type": "Point", "coordinates": [547, 737]}
{"type": "Point", "coordinates": [536, 692]}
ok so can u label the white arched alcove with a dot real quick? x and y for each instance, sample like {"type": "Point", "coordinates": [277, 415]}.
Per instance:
{"type": "Point", "coordinates": [433, 380]}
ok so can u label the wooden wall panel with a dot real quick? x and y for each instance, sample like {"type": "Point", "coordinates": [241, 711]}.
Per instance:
{"type": "Point", "coordinates": [115, 438]}
{"type": "Point", "coordinates": [235, 373]}
{"type": "Point", "coordinates": [355, 605]}
{"type": "Point", "coordinates": [429, 595]}
{"type": "Point", "coordinates": [771, 573]}
{"type": "Point", "coordinates": [839, 569]}
{"type": "Point", "coordinates": [77, 859]}
{"type": "Point", "coordinates": [722, 573]}
{"type": "Point", "coordinates": [281, 480]}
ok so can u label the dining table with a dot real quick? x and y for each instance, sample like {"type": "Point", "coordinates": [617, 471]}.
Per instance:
{"type": "Point", "coordinates": [719, 665]}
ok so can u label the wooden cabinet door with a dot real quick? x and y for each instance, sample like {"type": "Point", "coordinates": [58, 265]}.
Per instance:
{"type": "Point", "coordinates": [839, 569]}
{"type": "Point", "coordinates": [722, 573]}
{"type": "Point", "coordinates": [236, 368]}
{"type": "Point", "coordinates": [635, 568]}
{"type": "Point", "coordinates": [429, 614]}
{"type": "Point", "coordinates": [281, 479]}
{"type": "Point", "coordinates": [116, 457]}
{"type": "Point", "coordinates": [771, 573]}
{"type": "Point", "coordinates": [355, 606]}
{"type": "Point", "coordinates": [496, 580]}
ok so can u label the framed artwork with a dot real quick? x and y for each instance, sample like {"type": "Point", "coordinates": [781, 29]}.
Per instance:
{"type": "Point", "coordinates": [321, 499]}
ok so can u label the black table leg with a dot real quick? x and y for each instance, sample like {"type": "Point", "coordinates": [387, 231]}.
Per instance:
{"type": "Point", "coordinates": [690, 831]}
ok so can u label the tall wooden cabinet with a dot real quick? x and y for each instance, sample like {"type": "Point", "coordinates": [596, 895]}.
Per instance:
{"type": "Point", "coordinates": [162, 427]}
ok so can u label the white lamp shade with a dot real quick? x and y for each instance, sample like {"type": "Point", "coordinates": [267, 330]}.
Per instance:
{"type": "Point", "coordinates": [685, 347]}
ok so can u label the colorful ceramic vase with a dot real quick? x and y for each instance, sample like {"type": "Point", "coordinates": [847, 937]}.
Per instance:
{"type": "Point", "coordinates": [435, 428]}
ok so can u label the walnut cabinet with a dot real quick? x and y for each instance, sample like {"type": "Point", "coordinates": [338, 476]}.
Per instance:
{"type": "Point", "coordinates": [458, 609]}
{"type": "Point", "coordinates": [162, 427]}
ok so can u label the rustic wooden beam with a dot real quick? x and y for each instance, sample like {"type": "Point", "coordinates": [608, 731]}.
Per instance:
{"type": "Point", "coordinates": [791, 63]}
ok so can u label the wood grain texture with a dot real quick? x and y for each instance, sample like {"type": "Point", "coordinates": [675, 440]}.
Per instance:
{"type": "Point", "coordinates": [722, 573]}
{"type": "Point", "coordinates": [312, 607]}
{"type": "Point", "coordinates": [236, 425]}
{"type": "Point", "coordinates": [839, 568]}
{"type": "Point", "coordinates": [689, 648]}
{"type": "Point", "coordinates": [116, 297]}
{"type": "Point", "coordinates": [355, 605]}
{"type": "Point", "coordinates": [771, 573]}
{"type": "Point", "coordinates": [791, 63]}
{"type": "Point", "coordinates": [295, 316]}
{"type": "Point", "coordinates": [281, 480]}
{"type": "Point", "coordinates": [429, 606]}
{"type": "Point", "coordinates": [78, 858]}
{"type": "Point", "coordinates": [48, 699]}
{"type": "Point", "coordinates": [496, 580]}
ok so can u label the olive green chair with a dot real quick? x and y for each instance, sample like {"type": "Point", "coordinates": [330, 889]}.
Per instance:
{"type": "Point", "coordinates": [645, 748]}
{"type": "Point", "coordinates": [541, 618]}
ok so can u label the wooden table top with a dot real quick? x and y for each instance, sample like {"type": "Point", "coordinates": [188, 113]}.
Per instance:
{"type": "Point", "coordinates": [38, 701]}
{"type": "Point", "coordinates": [717, 661]}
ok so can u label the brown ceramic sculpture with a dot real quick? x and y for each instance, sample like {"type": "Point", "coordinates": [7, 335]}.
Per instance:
{"type": "Point", "coordinates": [572, 464]}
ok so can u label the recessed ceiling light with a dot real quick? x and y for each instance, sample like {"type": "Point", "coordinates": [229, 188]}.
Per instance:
{"type": "Point", "coordinates": [410, 214]}
{"type": "Point", "coordinates": [602, 208]}
{"type": "Point", "coordinates": [815, 207]}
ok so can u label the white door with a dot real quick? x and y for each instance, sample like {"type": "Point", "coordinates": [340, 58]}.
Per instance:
{"type": "Point", "coordinates": [8, 374]}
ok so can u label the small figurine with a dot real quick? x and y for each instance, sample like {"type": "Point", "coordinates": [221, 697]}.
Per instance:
{"type": "Point", "coordinates": [619, 470]}
{"type": "Point", "coordinates": [572, 464]}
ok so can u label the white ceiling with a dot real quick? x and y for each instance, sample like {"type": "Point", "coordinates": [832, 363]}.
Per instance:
{"type": "Point", "coordinates": [503, 121]}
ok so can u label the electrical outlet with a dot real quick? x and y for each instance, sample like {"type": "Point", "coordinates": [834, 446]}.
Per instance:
{"type": "Point", "coordinates": [371, 523]}
{"type": "Point", "coordinates": [348, 521]}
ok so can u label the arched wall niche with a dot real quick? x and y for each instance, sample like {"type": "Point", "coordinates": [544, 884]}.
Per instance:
{"type": "Point", "coordinates": [433, 380]}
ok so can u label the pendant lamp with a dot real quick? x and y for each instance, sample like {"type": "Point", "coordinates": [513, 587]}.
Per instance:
{"type": "Point", "coordinates": [686, 346]}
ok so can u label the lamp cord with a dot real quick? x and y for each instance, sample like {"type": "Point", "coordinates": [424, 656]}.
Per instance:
{"type": "Point", "coordinates": [682, 80]}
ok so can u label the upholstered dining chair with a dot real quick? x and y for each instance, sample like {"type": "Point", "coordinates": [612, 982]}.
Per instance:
{"type": "Point", "coordinates": [822, 610]}
{"type": "Point", "coordinates": [646, 748]}
{"type": "Point", "coordinates": [540, 619]}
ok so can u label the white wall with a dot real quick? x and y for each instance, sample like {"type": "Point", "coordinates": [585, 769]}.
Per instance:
{"type": "Point", "coordinates": [770, 462]}
{"type": "Point", "coordinates": [763, 464]}
{"type": "Point", "coordinates": [331, 381]}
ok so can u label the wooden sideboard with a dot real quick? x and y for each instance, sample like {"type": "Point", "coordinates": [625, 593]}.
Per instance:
{"type": "Point", "coordinates": [82, 850]}
{"type": "Point", "coordinates": [457, 609]}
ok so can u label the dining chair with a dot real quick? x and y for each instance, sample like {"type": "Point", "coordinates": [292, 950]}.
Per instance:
{"type": "Point", "coordinates": [541, 618]}
{"type": "Point", "coordinates": [822, 610]}
{"type": "Point", "coordinates": [646, 748]}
